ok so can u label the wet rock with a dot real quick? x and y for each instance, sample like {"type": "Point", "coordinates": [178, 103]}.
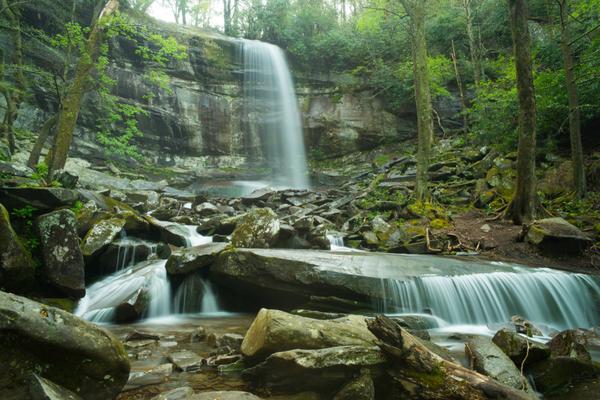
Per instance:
{"type": "Point", "coordinates": [557, 236]}
{"type": "Point", "coordinates": [141, 335]}
{"type": "Point", "coordinates": [488, 359]}
{"type": "Point", "coordinates": [321, 369]}
{"type": "Point", "coordinates": [66, 179]}
{"type": "Point", "coordinates": [361, 388]}
{"type": "Point", "coordinates": [318, 314]}
{"type": "Point", "coordinates": [122, 253]}
{"type": "Point", "coordinates": [181, 393]}
{"type": "Point", "coordinates": [186, 360]}
{"type": "Point", "coordinates": [273, 331]}
{"type": "Point", "coordinates": [43, 389]}
{"type": "Point", "coordinates": [176, 235]}
{"type": "Point", "coordinates": [556, 373]}
{"type": "Point", "coordinates": [231, 340]}
{"type": "Point", "coordinates": [154, 376]}
{"type": "Point", "coordinates": [148, 198]}
{"type": "Point", "coordinates": [570, 343]}
{"type": "Point", "coordinates": [230, 395]}
{"type": "Point", "coordinates": [64, 267]}
{"type": "Point", "coordinates": [258, 195]}
{"type": "Point", "coordinates": [198, 335]}
{"type": "Point", "coordinates": [35, 337]}
{"type": "Point", "coordinates": [525, 327]}
{"type": "Point", "coordinates": [134, 223]}
{"type": "Point", "coordinates": [258, 229]}
{"type": "Point", "coordinates": [191, 259]}
{"type": "Point", "coordinates": [17, 269]}
{"type": "Point", "coordinates": [517, 347]}
{"type": "Point", "coordinates": [43, 199]}
{"type": "Point", "coordinates": [206, 210]}
{"type": "Point", "coordinates": [100, 236]}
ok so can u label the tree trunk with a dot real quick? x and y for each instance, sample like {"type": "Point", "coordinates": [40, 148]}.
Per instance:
{"type": "Point", "coordinates": [574, 113]}
{"type": "Point", "coordinates": [523, 205]}
{"type": "Point", "coordinates": [416, 11]}
{"type": "Point", "coordinates": [34, 156]}
{"type": "Point", "coordinates": [71, 105]}
{"type": "Point", "coordinates": [416, 369]}
{"type": "Point", "coordinates": [473, 49]}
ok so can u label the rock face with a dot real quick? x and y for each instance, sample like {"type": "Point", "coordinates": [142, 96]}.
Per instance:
{"type": "Point", "coordinates": [101, 235]}
{"type": "Point", "coordinates": [362, 388]}
{"type": "Point", "coordinates": [63, 261]}
{"type": "Point", "coordinates": [516, 347]}
{"type": "Point", "coordinates": [43, 199]}
{"type": "Point", "coordinates": [258, 229]}
{"type": "Point", "coordinates": [555, 235]}
{"type": "Point", "coordinates": [60, 347]}
{"type": "Point", "coordinates": [43, 389]}
{"type": "Point", "coordinates": [570, 343]}
{"type": "Point", "coordinates": [557, 372]}
{"type": "Point", "coordinates": [274, 331]}
{"type": "Point", "coordinates": [17, 270]}
{"type": "Point", "coordinates": [188, 260]}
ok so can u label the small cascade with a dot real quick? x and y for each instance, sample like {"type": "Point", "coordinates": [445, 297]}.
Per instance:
{"type": "Point", "coordinates": [193, 238]}
{"type": "Point", "coordinates": [336, 242]}
{"type": "Point", "coordinates": [133, 250]}
{"type": "Point", "coordinates": [271, 105]}
{"type": "Point", "coordinates": [556, 299]}
{"type": "Point", "coordinates": [195, 294]}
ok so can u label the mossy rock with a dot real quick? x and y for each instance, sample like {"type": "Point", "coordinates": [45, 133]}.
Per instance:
{"type": "Point", "coordinates": [17, 268]}
{"type": "Point", "coordinates": [101, 235]}
{"type": "Point", "coordinates": [258, 229]}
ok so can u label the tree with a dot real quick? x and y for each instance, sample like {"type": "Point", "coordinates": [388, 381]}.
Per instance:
{"type": "Point", "coordinates": [523, 204]}
{"type": "Point", "coordinates": [13, 95]}
{"type": "Point", "coordinates": [71, 104]}
{"type": "Point", "coordinates": [416, 12]}
{"type": "Point", "coordinates": [473, 48]}
{"type": "Point", "coordinates": [574, 111]}
{"type": "Point", "coordinates": [140, 5]}
{"type": "Point", "coordinates": [230, 15]}
{"type": "Point", "coordinates": [179, 8]}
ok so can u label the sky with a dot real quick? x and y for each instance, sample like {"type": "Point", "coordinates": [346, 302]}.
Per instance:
{"type": "Point", "coordinates": [164, 13]}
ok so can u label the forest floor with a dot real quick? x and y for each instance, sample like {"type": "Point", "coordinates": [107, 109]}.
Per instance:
{"type": "Point", "coordinates": [502, 244]}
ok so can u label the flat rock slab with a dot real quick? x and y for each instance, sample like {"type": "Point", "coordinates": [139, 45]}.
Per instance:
{"type": "Point", "coordinates": [191, 259]}
{"type": "Point", "coordinates": [186, 360]}
{"type": "Point", "coordinates": [154, 376]}
{"type": "Point", "coordinates": [181, 393]}
{"type": "Point", "coordinates": [43, 199]}
{"type": "Point", "coordinates": [557, 236]}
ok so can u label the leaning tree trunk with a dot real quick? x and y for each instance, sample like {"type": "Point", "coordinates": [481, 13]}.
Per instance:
{"type": "Point", "coordinates": [473, 48]}
{"type": "Point", "coordinates": [574, 113]}
{"type": "Point", "coordinates": [418, 371]}
{"type": "Point", "coordinates": [463, 100]}
{"type": "Point", "coordinates": [71, 105]}
{"type": "Point", "coordinates": [416, 11]}
{"type": "Point", "coordinates": [45, 132]}
{"type": "Point", "coordinates": [522, 207]}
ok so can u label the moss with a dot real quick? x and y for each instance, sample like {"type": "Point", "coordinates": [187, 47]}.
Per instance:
{"type": "Point", "coordinates": [431, 379]}
{"type": "Point", "coordinates": [439, 223]}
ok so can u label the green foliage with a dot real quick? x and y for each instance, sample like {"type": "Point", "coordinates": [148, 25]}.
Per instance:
{"type": "Point", "coordinates": [25, 212]}
{"type": "Point", "coordinates": [24, 220]}
{"type": "Point", "coordinates": [77, 207]}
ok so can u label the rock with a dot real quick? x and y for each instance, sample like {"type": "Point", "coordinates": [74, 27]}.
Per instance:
{"type": "Point", "coordinates": [361, 388]}
{"type": "Point", "coordinates": [206, 210]}
{"type": "Point", "coordinates": [66, 179]}
{"type": "Point", "coordinates": [230, 395]}
{"type": "Point", "coordinates": [274, 331]}
{"type": "Point", "coordinates": [186, 360]}
{"type": "Point", "coordinates": [516, 346]}
{"type": "Point", "coordinates": [17, 269]}
{"type": "Point", "coordinates": [176, 235]}
{"type": "Point", "coordinates": [100, 236]}
{"type": "Point", "coordinates": [557, 236]}
{"type": "Point", "coordinates": [154, 376]}
{"type": "Point", "coordinates": [485, 228]}
{"type": "Point", "coordinates": [43, 199]}
{"type": "Point", "coordinates": [191, 259]}
{"type": "Point", "coordinates": [120, 254]}
{"type": "Point", "coordinates": [555, 373]}
{"type": "Point", "coordinates": [258, 195]}
{"type": "Point", "coordinates": [134, 223]}
{"type": "Point", "coordinates": [318, 314]}
{"type": "Point", "coordinates": [140, 335]}
{"type": "Point", "coordinates": [525, 327]}
{"type": "Point", "coordinates": [231, 340]}
{"type": "Point", "coordinates": [258, 229]}
{"type": "Point", "coordinates": [570, 343]}
{"type": "Point", "coordinates": [64, 267]}
{"type": "Point", "coordinates": [489, 359]}
{"type": "Point", "coordinates": [149, 198]}
{"type": "Point", "coordinates": [181, 393]}
{"type": "Point", "coordinates": [321, 369]}
{"type": "Point", "coordinates": [50, 341]}
{"type": "Point", "coordinates": [198, 335]}
{"type": "Point", "coordinates": [43, 389]}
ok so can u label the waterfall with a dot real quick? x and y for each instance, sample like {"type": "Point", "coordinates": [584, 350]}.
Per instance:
{"type": "Point", "coordinates": [271, 102]}
{"type": "Point", "coordinates": [557, 299]}
{"type": "Point", "coordinates": [195, 294]}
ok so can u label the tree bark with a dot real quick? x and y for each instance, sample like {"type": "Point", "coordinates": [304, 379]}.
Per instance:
{"type": "Point", "coordinates": [47, 128]}
{"type": "Point", "coordinates": [473, 48]}
{"type": "Point", "coordinates": [523, 205]}
{"type": "Point", "coordinates": [579, 182]}
{"type": "Point", "coordinates": [416, 11]}
{"type": "Point", "coordinates": [71, 105]}
{"type": "Point", "coordinates": [419, 370]}
{"type": "Point", "coordinates": [463, 101]}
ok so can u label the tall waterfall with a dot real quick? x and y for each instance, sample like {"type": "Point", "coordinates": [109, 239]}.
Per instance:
{"type": "Point", "coordinates": [554, 298]}
{"type": "Point", "coordinates": [271, 104]}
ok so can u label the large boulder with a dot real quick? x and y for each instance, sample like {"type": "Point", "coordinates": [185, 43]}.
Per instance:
{"type": "Point", "coordinates": [101, 235]}
{"type": "Point", "coordinates": [490, 360]}
{"type": "Point", "coordinates": [519, 348]}
{"type": "Point", "coordinates": [43, 199]}
{"type": "Point", "coordinates": [274, 331]}
{"type": "Point", "coordinates": [258, 229]}
{"type": "Point", "coordinates": [60, 347]}
{"type": "Point", "coordinates": [43, 389]}
{"type": "Point", "coordinates": [64, 267]}
{"type": "Point", "coordinates": [557, 236]}
{"type": "Point", "coordinates": [556, 373]}
{"type": "Point", "coordinates": [320, 369]}
{"type": "Point", "coordinates": [570, 343]}
{"type": "Point", "coordinates": [188, 260]}
{"type": "Point", "coordinates": [17, 269]}
{"type": "Point", "coordinates": [361, 388]}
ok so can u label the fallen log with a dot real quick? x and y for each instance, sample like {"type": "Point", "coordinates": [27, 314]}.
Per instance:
{"type": "Point", "coordinates": [419, 373]}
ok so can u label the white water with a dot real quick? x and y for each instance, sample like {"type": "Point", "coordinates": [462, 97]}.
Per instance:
{"type": "Point", "coordinates": [271, 101]}
{"type": "Point", "coordinates": [195, 294]}
{"type": "Point", "coordinates": [126, 255]}
{"type": "Point", "coordinates": [550, 298]}
{"type": "Point", "coordinates": [193, 238]}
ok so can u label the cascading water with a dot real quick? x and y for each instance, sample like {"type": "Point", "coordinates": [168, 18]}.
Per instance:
{"type": "Point", "coordinates": [556, 299]}
{"type": "Point", "coordinates": [195, 294]}
{"type": "Point", "coordinates": [271, 103]}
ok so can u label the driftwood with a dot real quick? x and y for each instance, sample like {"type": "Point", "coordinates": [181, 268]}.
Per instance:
{"type": "Point", "coordinates": [421, 374]}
